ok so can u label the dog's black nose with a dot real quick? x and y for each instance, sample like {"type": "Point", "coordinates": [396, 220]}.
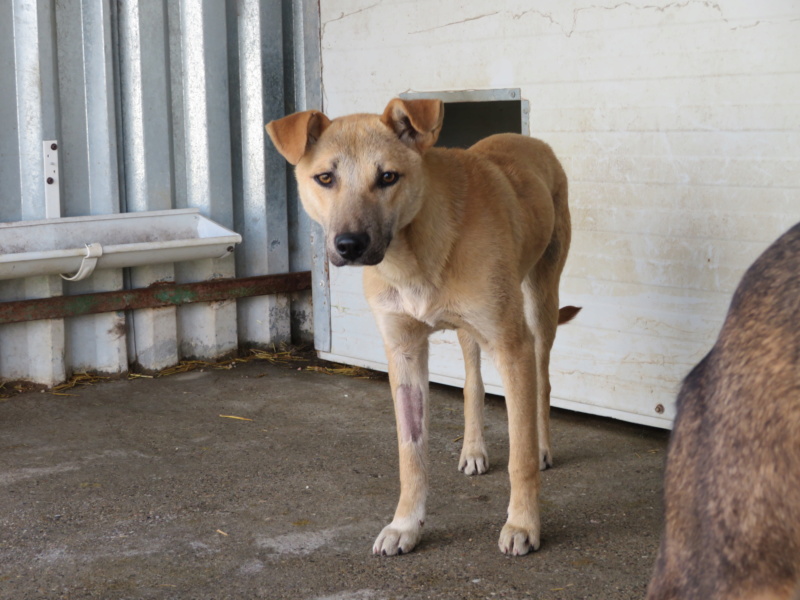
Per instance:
{"type": "Point", "coordinates": [351, 246]}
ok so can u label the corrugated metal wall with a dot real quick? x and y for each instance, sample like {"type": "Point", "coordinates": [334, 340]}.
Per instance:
{"type": "Point", "coordinates": [155, 104]}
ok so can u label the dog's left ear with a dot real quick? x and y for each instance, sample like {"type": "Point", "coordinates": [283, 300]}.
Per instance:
{"type": "Point", "coordinates": [295, 134]}
{"type": "Point", "coordinates": [416, 122]}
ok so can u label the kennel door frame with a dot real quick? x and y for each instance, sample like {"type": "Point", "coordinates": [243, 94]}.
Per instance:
{"type": "Point", "coordinates": [495, 95]}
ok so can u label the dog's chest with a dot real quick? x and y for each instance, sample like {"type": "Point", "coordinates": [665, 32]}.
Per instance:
{"type": "Point", "coordinates": [423, 304]}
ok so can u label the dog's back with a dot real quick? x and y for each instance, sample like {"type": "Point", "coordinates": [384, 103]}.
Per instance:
{"type": "Point", "coordinates": [732, 486]}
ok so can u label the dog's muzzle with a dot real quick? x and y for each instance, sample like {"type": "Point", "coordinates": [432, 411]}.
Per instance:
{"type": "Point", "coordinates": [356, 248]}
{"type": "Point", "coordinates": [351, 246]}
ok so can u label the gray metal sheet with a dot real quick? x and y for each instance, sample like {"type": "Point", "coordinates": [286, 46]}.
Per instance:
{"type": "Point", "coordinates": [155, 105]}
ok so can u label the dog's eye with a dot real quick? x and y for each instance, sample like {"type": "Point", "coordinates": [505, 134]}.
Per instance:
{"type": "Point", "coordinates": [388, 178]}
{"type": "Point", "coordinates": [324, 179]}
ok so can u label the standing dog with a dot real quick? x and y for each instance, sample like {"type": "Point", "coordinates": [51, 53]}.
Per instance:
{"type": "Point", "coordinates": [732, 488]}
{"type": "Point", "coordinates": [473, 240]}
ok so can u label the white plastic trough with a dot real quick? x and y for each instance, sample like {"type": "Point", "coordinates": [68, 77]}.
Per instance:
{"type": "Point", "coordinates": [75, 246]}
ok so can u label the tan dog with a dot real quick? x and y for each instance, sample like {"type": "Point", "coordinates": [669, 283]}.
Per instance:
{"type": "Point", "coordinates": [468, 239]}
{"type": "Point", "coordinates": [732, 487]}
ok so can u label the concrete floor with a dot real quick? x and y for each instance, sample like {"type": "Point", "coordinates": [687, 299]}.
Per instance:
{"type": "Point", "coordinates": [141, 489]}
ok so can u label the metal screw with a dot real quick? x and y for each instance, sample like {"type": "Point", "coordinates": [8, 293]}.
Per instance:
{"type": "Point", "coordinates": [54, 146]}
{"type": "Point", "coordinates": [50, 181]}
{"type": "Point", "coordinates": [660, 408]}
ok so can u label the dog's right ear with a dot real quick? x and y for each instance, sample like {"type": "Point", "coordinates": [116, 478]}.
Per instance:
{"type": "Point", "coordinates": [416, 122]}
{"type": "Point", "coordinates": [295, 134]}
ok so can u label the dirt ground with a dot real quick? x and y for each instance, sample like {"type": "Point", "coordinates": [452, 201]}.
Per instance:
{"type": "Point", "coordinates": [150, 488]}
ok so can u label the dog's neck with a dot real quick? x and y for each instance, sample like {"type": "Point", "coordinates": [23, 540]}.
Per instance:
{"type": "Point", "coordinates": [420, 251]}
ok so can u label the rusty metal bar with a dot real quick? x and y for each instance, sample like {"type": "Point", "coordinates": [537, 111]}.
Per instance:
{"type": "Point", "coordinates": [155, 296]}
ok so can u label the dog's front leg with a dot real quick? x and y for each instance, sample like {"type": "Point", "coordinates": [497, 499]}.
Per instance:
{"type": "Point", "coordinates": [514, 355]}
{"type": "Point", "coordinates": [406, 342]}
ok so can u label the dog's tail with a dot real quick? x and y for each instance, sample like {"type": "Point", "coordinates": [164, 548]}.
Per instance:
{"type": "Point", "coordinates": [567, 313]}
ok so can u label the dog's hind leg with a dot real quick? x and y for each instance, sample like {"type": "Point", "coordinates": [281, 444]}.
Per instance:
{"type": "Point", "coordinates": [541, 313]}
{"type": "Point", "coordinates": [406, 343]}
{"type": "Point", "coordinates": [474, 459]}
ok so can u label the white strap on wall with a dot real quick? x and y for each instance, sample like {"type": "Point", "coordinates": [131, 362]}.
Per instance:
{"type": "Point", "coordinates": [89, 262]}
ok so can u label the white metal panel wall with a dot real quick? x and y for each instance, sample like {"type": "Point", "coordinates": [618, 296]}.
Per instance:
{"type": "Point", "coordinates": [678, 126]}
{"type": "Point", "coordinates": [156, 105]}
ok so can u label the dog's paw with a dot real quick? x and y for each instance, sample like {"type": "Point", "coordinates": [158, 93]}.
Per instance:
{"type": "Point", "coordinates": [474, 460]}
{"type": "Point", "coordinates": [517, 541]}
{"type": "Point", "coordinates": [545, 459]}
{"type": "Point", "coordinates": [398, 537]}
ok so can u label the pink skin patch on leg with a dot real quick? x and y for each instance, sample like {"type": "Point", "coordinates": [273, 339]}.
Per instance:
{"type": "Point", "coordinates": [409, 403]}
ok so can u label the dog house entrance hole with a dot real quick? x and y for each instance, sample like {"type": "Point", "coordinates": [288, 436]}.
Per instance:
{"type": "Point", "coordinates": [472, 115]}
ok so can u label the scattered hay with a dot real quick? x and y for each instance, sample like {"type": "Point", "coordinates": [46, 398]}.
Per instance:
{"type": "Point", "coordinates": [78, 379]}
{"type": "Point", "coordinates": [235, 417]}
{"type": "Point", "coordinates": [346, 370]}
{"type": "Point", "coordinates": [190, 365]}
{"type": "Point", "coordinates": [9, 389]}
{"type": "Point", "coordinates": [277, 356]}
{"type": "Point", "coordinates": [285, 356]}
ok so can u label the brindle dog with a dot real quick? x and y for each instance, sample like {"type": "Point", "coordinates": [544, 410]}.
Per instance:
{"type": "Point", "coordinates": [732, 488]}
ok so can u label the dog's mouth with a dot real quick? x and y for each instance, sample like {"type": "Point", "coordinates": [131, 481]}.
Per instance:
{"type": "Point", "coordinates": [357, 249]}
{"type": "Point", "coordinates": [338, 261]}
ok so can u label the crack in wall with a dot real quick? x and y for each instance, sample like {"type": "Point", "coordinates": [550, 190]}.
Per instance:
{"type": "Point", "coordinates": [576, 13]}
{"type": "Point", "coordinates": [347, 15]}
{"type": "Point", "coordinates": [460, 22]}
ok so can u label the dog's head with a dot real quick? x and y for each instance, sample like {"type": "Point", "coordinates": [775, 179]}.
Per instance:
{"type": "Point", "coordinates": [360, 176]}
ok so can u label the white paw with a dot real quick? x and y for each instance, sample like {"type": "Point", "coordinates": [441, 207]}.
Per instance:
{"type": "Point", "coordinates": [398, 537]}
{"type": "Point", "coordinates": [517, 541]}
{"type": "Point", "coordinates": [474, 460]}
{"type": "Point", "coordinates": [545, 459]}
